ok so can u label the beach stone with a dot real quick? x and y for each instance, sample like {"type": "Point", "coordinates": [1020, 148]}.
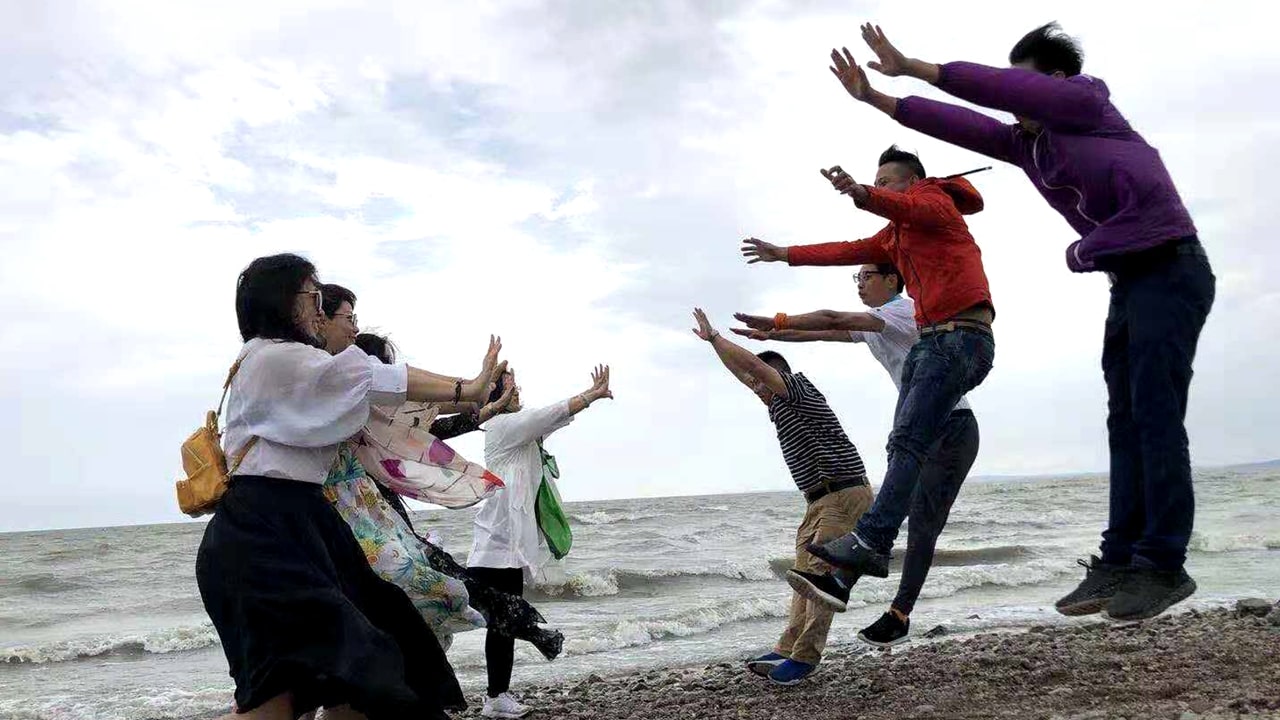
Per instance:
{"type": "Point", "coordinates": [1255, 607]}
{"type": "Point", "coordinates": [1188, 715]}
{"type": "Point", "coordinates": [925, 709]}
{"type": "Point", "coordinates": [937, 632]}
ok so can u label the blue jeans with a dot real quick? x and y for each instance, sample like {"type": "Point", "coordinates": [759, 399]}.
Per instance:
{"type": "Point", "coordinates": [1158, 306]}
{"type": "Point", "coordinates": [939, 370]}
{"type": "Point", "coordinates": [940, 480]}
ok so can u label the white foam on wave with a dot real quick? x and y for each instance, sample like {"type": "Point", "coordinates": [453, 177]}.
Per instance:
{"type": "Point", "coordinates": [609, 582]}
{"type": "Point", "coordinates": [601, 517]}
{"type": "Point", "coordinates": [1232, 543]}
{"type": "Point", "coordinates": [166, 640]}
{"type": "Point", "coordinates": [166, 704]}
{"type": "Point", "coordinates": [633, 633]}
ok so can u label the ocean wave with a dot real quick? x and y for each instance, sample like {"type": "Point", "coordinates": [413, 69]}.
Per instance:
{"type": "Point", "coordinates": [166, 704]}
{"type": "Point", "coordinates": [37, 584]}
{"type": "Point", "coordinates": [158, 642]}
{"type": "Point", "coordinates": [1232, 543]}
{"type": "Point", "coordinates": [602, 517]}
{"type": "Point", "coordinates": [613, 581]}
{"type": "Point", "coordinates": [634, 633]}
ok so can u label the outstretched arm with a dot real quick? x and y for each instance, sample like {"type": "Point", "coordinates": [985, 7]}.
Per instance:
{"type": "Point", "coordinates": [795, 335]}
{"type": "Point", "coordinates": [858, 252]}
{"type": "Point", "coordinates": [744, 365]}
{"type": "Point", "coordinates": [529, 425]}
{"type": "Point", "coordinates": [819, 320]}
{"type": "Point", "coordinates": [1076, 103]}
{"type": "Point", "coordinates": [949, 123]}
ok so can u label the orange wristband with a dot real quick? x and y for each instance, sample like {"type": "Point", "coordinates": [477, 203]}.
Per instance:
{"type": "Point", "coordinates": [780, 321]}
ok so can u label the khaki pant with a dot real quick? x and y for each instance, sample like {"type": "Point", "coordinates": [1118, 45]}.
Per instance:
{"type": "Point", "coordinates": [809, 621]}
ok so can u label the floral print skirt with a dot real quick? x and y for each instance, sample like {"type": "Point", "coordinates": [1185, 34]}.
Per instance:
{"type": "Point", "coordinates": [395, 553]}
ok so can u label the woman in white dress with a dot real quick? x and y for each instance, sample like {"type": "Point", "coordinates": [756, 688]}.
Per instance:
{"type": "Point", "coordinates": [303, 620]}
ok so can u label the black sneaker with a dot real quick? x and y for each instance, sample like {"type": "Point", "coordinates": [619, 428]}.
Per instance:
{"type": "Point", "coordinates": [846, 552]}
{"type": "Point", "coordinates": [1094, 592]}
{"type": "Point", "coordinates": [1145, 593]}
{"type": "Point", "coordinates": [886, 632]}
{"type": "Point", "coordinates": [822, 588]}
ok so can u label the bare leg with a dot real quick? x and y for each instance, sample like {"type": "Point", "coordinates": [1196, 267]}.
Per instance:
{"type": "Point", "coordinates": [342, 712]}
{"type": "Point", "coordinates": [279, 707]}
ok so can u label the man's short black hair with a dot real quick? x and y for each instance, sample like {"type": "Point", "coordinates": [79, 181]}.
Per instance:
{"type": "Point", "coordinates": [775, 361]}
{"type": "Point", "coordinates": [1050, 50]}
{"type": "Point", "coordinates": [911, 160]}
{"type": "Point", "coordinates": [334, 296]}
{"type": "Point", "coordinates": [891, 270]}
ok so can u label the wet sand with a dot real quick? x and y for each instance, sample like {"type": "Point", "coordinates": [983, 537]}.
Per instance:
{"type": "Point", "coordinates": [1213, 664]}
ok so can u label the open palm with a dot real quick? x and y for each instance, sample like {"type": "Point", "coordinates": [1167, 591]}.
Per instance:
{"type": "Point", "coordinates": [852, 77]}
{"type": "Point", "coordinates": [892, 62]}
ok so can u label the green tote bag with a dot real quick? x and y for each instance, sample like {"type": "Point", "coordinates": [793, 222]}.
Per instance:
{"type": "Point", "coordinates": [552, 521]}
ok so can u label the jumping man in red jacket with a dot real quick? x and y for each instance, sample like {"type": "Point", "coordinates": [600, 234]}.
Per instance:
{"type": "Point", "coordinates": [928, 240]}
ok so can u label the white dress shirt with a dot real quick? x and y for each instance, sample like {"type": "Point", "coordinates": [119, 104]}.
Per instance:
{"type": "Point", "coordinates": [506, 527]}
{"type": "Point", "coordinates": [301, 402]}
{"type": "Point", "coordinates": [891, 345]}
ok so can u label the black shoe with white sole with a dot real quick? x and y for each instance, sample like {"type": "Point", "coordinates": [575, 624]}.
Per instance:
{"type": "Point", "coordinates": [886, 632]}
{"type": "Point", "coordinates": [823, 588]}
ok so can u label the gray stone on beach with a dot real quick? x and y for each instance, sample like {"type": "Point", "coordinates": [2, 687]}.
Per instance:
{"type": "Point", "coordinates": [1255, 607]}
{"type": "Point", "coordinates": [937, 631]}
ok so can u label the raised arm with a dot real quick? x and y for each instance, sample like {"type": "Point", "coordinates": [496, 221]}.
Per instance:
{"type": "Point", "coordinates": [1074, 103]}
{"type": "Point", "coordinates": [529, 425]}
{"type": "Point", "coordinates": [744, 365]}
{"type": "Point", "coordinates": [949, 123]}
{"type": "Point", "coordinates": [795, 335]}
{"type": "Point", "coordinates": [468, 418]}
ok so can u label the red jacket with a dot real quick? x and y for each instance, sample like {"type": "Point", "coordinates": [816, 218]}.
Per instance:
{"type": "Point", "coordinates": [926, 239]}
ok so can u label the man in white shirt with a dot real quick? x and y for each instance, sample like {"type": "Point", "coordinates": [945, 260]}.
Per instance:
{"type": "Point", "coordinates": [509, 548]}
{"type": "Point", "coordinates": [889, 331]}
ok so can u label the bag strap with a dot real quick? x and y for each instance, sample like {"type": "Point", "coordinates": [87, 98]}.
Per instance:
{"type": "Point", "coordinates": [240, 457]}
{"type": "Point", "coordinates": [226, 386]}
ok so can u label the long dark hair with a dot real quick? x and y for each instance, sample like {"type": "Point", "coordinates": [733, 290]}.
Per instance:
{"type": "Point", "coordinates": [265, 295]}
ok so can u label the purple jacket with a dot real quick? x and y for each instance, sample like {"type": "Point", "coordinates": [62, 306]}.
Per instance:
{"type": "Point", "coordinates": [1092, 167]}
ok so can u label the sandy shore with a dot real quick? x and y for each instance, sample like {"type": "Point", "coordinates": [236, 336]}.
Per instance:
{"type": "Point", "coordinates": [1215, 664]}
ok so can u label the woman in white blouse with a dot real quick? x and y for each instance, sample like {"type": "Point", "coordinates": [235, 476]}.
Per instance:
{"type": "Point", "coordinates": [303, 619]}
{"type": "Point", "coordinates": [509, 548]}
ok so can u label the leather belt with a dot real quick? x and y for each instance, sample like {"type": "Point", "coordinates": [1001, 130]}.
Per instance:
{"type": "Point", "coordinates": [829, 486]}
{"type": "Point", "coordinates": [953, 325]}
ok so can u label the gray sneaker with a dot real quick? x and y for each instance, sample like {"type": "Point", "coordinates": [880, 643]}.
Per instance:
{"type": "Point", "coordinates": [848, 553]}
{"type": "Point", "coordinates": [1145, 593]}
{"type": "Point", "coordinates": [1096, 590]}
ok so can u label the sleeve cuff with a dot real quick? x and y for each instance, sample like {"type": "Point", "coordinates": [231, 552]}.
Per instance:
{"type": "Point", "coordinates": [388, 382]}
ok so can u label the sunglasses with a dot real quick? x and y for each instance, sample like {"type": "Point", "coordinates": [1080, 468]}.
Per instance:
{"type": "Point", "coordinates": [318, 296]}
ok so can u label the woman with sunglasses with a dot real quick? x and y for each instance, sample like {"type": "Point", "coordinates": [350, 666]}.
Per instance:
{"type": "Point", "coordinates": [302, 618]}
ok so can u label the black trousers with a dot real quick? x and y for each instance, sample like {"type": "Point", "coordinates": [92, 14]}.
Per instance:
{"type": "Point", "coordinates": [499, 649]}
{"type": "Point", "coordinates": [1159, 302]}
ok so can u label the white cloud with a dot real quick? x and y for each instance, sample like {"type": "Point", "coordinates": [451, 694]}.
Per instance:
{"type": "Point", "coordinates": [574, 177]}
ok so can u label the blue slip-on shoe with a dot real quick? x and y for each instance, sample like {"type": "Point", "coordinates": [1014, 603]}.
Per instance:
{"type": "Point", "coordinates": [791, 672]}
{"type": "Point", "coordinates": [765, 664]}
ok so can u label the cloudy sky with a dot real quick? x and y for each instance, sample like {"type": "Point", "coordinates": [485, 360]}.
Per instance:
{"type": "Point", "coordinates": [574, 176]}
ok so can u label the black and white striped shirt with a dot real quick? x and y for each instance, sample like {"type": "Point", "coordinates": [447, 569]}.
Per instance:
{"type": "Point", "coordinates": [813, 442]}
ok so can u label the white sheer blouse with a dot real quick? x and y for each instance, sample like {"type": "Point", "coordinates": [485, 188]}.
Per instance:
{"type": "Point", "coordinates": [301, 402]}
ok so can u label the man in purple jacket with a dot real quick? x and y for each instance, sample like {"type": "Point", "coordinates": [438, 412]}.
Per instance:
{"type": "Point", "coordinates": [1113, 189]}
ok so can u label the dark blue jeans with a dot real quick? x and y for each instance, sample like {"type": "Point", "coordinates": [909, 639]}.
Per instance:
{"type": "Point", "coordinates": [940, 480]}
{"type": "Point", "coordinates": [1158, 306]}
{"type": "Point", "coordinates": [939, 370]}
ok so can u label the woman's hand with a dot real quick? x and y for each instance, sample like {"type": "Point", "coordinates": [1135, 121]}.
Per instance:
{"type": "Point", "coordinates": [599, 384]}
{"type": "Point", "coordinates": [497, 406]}
{"type": "Point", "coordinates": [477, 389]}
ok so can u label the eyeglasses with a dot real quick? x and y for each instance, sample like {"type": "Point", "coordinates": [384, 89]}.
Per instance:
{"type": "Point", "coordinates": [348, 315]}
{"type": "Point", "coordinates": [861, 278]}
{"type": "Point", "coordinates": [319, 296]}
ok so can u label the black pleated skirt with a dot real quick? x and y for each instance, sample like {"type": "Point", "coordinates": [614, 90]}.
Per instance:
{"type": "Point", "coordinates": [299, 610]}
